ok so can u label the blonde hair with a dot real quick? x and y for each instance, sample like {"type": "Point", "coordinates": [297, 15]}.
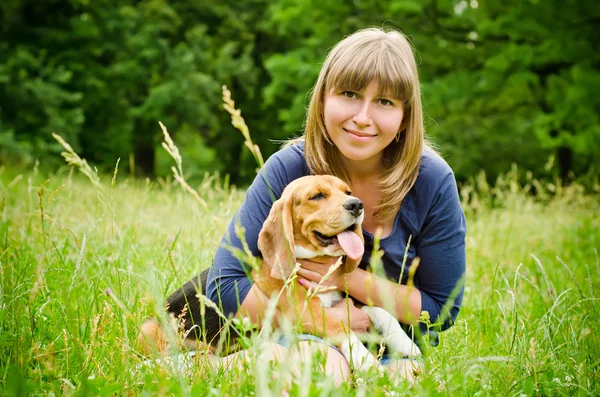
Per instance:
{"type": "Point", "coordinates": [368, 55]}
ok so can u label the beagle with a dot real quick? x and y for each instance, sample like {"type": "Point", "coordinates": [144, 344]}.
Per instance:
{"type": "Point", "coordinates": [315, 216]}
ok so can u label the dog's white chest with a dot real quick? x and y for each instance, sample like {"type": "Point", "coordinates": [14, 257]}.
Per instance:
{"type": "Point", "coordinates": [328, 299]}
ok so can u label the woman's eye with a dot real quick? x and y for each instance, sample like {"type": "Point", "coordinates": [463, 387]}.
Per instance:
{"type": "Point", "coordinates": [386, 102]}
{"type": "Point", "coordinates": [349, 94]}
{"type": "Point", "coordinates": [318, 196]}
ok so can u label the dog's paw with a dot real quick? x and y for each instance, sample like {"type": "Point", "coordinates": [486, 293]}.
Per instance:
{"type": "Point", "coordinates": [394, 336]}
{"type": "Point", "coordinates": [358, 356]}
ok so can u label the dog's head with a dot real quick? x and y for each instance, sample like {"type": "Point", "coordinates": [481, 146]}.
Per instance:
{"type": "Point", "coordinates": [315, 216]}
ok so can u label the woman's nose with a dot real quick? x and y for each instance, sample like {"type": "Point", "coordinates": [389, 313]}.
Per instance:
{"type": "Point", "coordinates": [363, 114]}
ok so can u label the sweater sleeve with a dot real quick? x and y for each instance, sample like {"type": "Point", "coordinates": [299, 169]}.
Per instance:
{"type": "Point", "coordinates": [229, 277]}
{"type": "Point", "coordinates": [441, 248]}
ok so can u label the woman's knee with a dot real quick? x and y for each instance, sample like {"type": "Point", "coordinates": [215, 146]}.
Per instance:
{"type": "Point", "coordinates": [275, 352]}
{"type": "Point", "coordinates": [336, 364]}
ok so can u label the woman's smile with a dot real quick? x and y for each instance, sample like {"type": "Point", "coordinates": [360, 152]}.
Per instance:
{"type": "Point", "coordinates": [360, 136]}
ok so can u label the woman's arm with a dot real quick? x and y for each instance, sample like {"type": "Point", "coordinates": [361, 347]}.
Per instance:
{"type": "Point", "coordinates": [404, 302]}
{"type": "Point", "coordinates": [255, 305]}
{"type": "Point", "coordinates": [256, 302]}
{"type": "Point", "coordinates": [440, 246]}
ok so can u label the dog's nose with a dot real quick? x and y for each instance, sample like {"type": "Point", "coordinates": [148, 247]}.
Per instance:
{"type": "Point", "coordinates": [355, 206]}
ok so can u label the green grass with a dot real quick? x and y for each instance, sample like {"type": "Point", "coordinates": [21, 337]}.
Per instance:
{"type": "Point", "coordinates": [82, 264]}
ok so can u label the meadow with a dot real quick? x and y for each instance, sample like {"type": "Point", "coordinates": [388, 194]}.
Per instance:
{"type": "Point", "coordinates": [85, 259]}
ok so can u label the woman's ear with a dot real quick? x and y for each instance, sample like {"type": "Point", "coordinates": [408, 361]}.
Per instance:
{"type": "Point", "coordinates": [405, 120]}
{"type": "Point", "coordinates": [276, 239]}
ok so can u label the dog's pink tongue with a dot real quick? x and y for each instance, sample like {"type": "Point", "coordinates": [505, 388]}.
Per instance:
{"type": "Point", "coordinates": [351, 244]}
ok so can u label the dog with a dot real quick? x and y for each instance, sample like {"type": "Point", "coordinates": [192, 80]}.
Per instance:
{"type": "Point", "coordinates": [315, 216]}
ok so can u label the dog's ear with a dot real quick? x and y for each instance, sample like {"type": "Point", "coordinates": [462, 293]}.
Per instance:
{"type": "Point", "coordinates": [276, 239]}
{"type": "Point", "coordinates": [351, 264]}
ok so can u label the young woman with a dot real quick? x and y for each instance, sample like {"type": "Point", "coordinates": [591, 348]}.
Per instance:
{"type": "Point", "coordinates": [364, 125]}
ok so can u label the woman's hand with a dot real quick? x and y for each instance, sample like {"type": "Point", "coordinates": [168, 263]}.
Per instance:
{"type": "Point", "coordinates": [350, 316]}
{"type": "Point", "coordinates": [314, 269]}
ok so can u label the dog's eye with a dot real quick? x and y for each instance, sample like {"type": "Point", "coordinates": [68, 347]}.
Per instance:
{"type": "Point", "coordinates": [348, 193]}
{"type": "Point", "coordinates": [318, 196]}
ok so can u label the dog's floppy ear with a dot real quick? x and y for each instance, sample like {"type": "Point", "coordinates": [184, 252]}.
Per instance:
{"type": "Point", "coordinates": [276, 239]}
{"type": "Point", "coordinates": [351, 264]}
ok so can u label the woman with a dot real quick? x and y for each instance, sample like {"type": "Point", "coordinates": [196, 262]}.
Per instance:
{"type": "Point", "coordinates": [364, 125]}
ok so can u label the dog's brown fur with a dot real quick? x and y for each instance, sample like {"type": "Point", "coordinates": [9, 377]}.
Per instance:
{"type": "Point", "coordinates": [307, 205]}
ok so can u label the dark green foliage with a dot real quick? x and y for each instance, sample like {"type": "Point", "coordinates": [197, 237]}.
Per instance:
{"type": "Point", "coordinates": [502, 83]}
{"type": "Point", "coordinates": [518, 85]}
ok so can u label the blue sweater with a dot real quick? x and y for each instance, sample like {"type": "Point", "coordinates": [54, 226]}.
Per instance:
{"type": "Point", "coordinates": [430, 215]}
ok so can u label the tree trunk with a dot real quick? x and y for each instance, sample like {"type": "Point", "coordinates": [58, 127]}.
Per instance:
{"type": "Point", "coordinates": [565, 163]}
{"type": "Point", "coordinates": [144, 148]}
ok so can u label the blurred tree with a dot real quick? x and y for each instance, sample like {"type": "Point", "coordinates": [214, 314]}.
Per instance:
{"type": "Point", "coordinates": [513, 82]}
{"type": "Point", "coordinates": [36, 96]}
{"type": "Point", "coordinates": [103, 73]}
{"type": "Point", "coordinates": [502, 83]}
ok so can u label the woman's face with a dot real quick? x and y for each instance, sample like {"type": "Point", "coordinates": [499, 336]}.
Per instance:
{"type": "Point", "coordinates": [362, 123]}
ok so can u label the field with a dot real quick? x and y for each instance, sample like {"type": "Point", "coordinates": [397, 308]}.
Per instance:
{"type": "Point", "coordinates": [84, 260]}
